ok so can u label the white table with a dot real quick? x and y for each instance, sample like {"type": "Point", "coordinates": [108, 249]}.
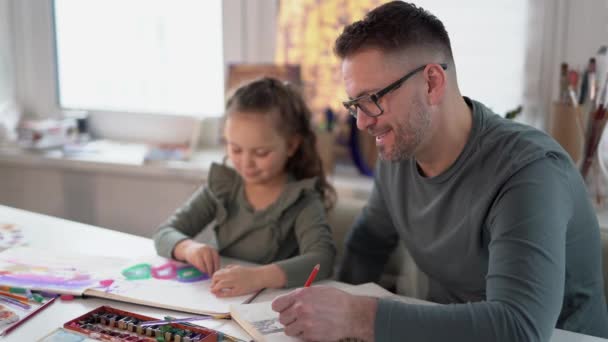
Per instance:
{"type": "Point", "coordinates": [53, 233]}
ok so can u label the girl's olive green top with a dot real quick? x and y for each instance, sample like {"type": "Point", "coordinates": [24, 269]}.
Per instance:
{"type": "Point", "coordinates": [292, 232]}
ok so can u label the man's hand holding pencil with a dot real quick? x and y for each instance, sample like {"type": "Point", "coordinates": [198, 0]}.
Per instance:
{"type": "Point", "coordinates": [323, 313]}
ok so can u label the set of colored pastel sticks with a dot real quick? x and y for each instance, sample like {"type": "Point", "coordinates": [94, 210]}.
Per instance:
{"type": "Point", "coordinates": [109, 324]}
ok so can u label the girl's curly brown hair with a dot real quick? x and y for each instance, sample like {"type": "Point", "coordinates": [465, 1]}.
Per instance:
{"type": "Point", "coordinates": [270, 96]}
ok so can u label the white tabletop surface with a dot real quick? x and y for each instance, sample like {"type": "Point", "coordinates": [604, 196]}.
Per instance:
{"type": "Point", "coordinates": [52, 233]}
{"type": "Point", "coordinates": [47, 232]}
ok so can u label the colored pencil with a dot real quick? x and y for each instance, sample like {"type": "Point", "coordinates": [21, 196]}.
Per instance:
{"type": "Point", "coordinates": [13, 289]}
{"type": "Point", "coordinates": [253, 296]}
{"type": "Point", "coordinates": [14, 296]}
{"type": "Point", "coordinates": [312, 275]}
{"type": "Point", "coordinates": [181, 320]}
{"type": "Point", "coordinates": [30, 315]}
{"type": "Point", "coordinates": [15, 302]}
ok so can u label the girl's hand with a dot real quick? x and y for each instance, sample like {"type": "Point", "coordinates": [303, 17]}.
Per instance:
{"type": "Point", "coordinates": [235, 280]}
{"type": "Point", "coordinates": [204, 257]}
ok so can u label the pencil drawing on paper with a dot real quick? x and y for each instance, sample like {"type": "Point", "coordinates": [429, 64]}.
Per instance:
{"type": "Point", "coordinates": [268, 326]}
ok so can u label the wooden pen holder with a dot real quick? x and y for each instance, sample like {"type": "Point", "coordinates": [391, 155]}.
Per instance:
{"type": "Point", "coordinates": [566, 126]}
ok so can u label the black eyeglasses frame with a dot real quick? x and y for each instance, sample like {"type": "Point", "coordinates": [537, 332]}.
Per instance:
{"type": "Point", "coordinates": [352, 106]}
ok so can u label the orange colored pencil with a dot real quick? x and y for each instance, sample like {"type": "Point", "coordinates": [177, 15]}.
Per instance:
{"type": "Point", "coordinates": [22, 299]}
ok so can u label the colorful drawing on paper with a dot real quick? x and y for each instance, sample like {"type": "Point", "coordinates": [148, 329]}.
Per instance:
{"type": "Point", "coordinates": [170, 270]}
{"type": "Point", "coordinates": [137, 272]}
{"type": "Point", "coordinates": [18, 273]}
{"type": "Point", "coordinates": [120, 287]}
{"type": "Point", "coordinates": [10, 235]}
{"type": "Point", "coordinates": [143, 276]}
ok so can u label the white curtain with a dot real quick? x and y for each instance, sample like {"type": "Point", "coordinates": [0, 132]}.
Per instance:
{"type": "Point", "coordinates": [544, 54]}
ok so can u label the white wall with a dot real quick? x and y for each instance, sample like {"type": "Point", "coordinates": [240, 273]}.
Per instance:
{"type": "Point", "coordinates": [587, 29]}
{"type": "Point", "coordinates": [249, 30]}
{"type": "Point", "coordinates": [7, 82]}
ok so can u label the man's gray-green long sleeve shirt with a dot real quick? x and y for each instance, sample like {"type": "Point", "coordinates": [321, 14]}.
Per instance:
{"type": "Point", "coordinates": [292, 232]}
{"type": "Point", "coordinates": [507, 236]}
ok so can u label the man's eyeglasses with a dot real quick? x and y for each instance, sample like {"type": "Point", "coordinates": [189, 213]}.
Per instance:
{"type": "Point", "coordinates": [369, 103]}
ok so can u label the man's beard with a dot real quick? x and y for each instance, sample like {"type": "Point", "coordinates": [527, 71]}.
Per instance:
{"type": "Point", "coordinates": [407, 136]}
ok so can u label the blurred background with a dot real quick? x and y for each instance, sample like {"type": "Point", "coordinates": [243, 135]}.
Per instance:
{"type": "Point", "coordinates": [110, 111]}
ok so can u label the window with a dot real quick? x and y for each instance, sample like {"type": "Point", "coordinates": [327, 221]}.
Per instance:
{"type": "Point", "coordinates": [489, 45]}
{"type": "Point", "coordinates": [152, 56]}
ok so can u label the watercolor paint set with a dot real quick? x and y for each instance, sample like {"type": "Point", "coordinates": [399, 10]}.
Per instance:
{"type": "Point", "coordinates": [110, 324]}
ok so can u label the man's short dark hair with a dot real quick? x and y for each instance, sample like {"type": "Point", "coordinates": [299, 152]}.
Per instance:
{"type": "Point", "coordinates": [393, 27]}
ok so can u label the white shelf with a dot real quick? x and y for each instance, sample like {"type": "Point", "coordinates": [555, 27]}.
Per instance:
{"type": "Point", "coordinates": [346, 180]}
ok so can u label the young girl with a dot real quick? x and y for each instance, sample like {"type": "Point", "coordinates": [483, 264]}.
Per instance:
{"type": "Point", "coordinates": [270, 208]}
